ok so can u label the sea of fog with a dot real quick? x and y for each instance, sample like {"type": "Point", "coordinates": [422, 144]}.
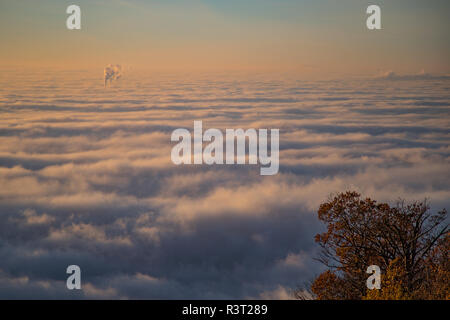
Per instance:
{"type": "Point", "coordinates": [86, 177]}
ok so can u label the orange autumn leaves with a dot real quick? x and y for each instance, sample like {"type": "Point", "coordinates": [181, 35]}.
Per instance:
{"type": "Point", "coordinates": [407, 241]}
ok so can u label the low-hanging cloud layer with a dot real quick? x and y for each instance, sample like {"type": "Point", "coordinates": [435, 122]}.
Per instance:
{"type": "Point", "coordinates": [87, 179]}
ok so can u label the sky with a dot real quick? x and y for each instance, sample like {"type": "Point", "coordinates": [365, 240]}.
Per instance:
{"type": "Point", "coordinates": [311, 38]}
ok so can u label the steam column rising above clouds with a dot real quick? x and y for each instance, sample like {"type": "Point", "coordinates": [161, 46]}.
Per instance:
{"type": "Point", "coordinates": [112, 72]}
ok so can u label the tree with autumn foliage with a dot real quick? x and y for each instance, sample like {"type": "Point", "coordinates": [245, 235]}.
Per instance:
{"type": "Point", "coordinates": [408, 242]}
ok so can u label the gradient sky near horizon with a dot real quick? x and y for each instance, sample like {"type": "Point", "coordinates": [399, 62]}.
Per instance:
{"type": "Point", "coordinates": [307, 37]}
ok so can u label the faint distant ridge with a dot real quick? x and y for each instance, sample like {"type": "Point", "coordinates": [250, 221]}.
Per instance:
{"type": "Point", "coordinates": [112, 72]}
{"type": "Point", "coordinates": [422, 75]}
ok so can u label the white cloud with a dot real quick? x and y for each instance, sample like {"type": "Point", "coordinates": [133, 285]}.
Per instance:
{"type": "Point", "coordinates": [86, 177]}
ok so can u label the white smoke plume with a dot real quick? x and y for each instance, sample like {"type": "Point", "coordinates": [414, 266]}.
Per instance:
{"type": "Point", "coordinates": [112, 72]}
